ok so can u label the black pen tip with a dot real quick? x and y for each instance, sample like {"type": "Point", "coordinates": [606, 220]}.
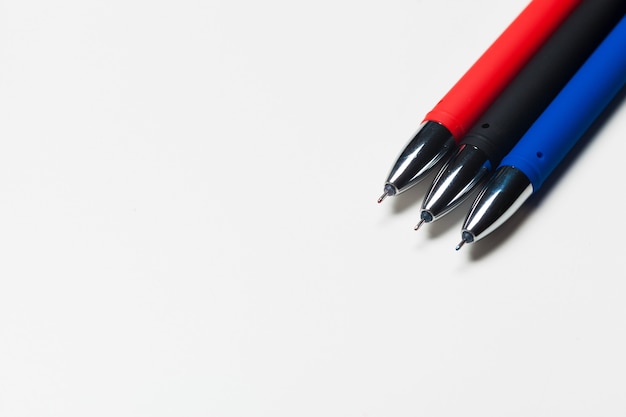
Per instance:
{"type": "Point", "coordinates": [418, 225]}
{"type": "Point", "coordinates": [467, 237]}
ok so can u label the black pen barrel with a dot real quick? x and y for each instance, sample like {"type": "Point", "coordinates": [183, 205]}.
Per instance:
{"type": "Point", "coordinates": [521, 103]}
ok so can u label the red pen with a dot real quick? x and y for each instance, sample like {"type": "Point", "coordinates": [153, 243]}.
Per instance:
{"type": "Point", "coordinates": [446, 124]}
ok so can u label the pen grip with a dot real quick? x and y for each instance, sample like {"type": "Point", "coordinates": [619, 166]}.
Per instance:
{"type": "Point", "coordinates": [536, 85]}
{"type": "Point", "coordinates": [479, 86]}
{"type": "Point", "coordinates": [573, 111]}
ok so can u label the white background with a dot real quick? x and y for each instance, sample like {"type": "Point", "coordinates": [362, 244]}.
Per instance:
{"type": "Point", "coordinates": [189, 227]}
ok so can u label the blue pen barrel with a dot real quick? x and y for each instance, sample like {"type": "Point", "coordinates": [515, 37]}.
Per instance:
{"type": "Point", "coordinates": [573, 111]}
{"type": "Point", "coordinates": [544, 145]}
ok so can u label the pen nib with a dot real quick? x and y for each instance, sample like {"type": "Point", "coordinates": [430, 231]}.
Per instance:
{"type": "Point", "coordinates": [460, 245]}
{"type": "Point", "coordinates": [418, 225]}
{"type": "Point", "coordinates": [382, 197]}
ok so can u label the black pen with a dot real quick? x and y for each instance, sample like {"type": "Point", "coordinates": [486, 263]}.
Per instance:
{"type": "Point", "coordinates": [520, 104]}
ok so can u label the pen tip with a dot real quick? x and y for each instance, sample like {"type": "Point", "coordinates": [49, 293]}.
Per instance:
{"type": "Point", "coordinates": [382, 197]}
{"type": "Point", "coordinates": [418, 225]}
{"type": "Point", "coordinates": [460, 245]}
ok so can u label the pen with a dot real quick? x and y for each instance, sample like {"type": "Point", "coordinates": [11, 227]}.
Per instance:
{"type": "Point", "coordinates": [523, 170]}
{"type": "Point", "coordinates": [457, 111]}
{"type": "Point", "coordinates": [519, 105]}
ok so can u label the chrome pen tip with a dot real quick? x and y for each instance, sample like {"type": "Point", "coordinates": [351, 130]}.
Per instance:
{"type": "Point", "coordinates": [466, 237]}
{"type": "Point", "coordinates": [388, 190]}
{"type": "Point", "coordinates": [426, 217]}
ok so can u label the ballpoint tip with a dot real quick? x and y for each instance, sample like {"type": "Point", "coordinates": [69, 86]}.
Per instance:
{"type": "Point", "coordinates": [382, 197]}
{"type": "Point", "coordinates": [460, 245]}
{"type": "Point", "coordinates": [418, 225]}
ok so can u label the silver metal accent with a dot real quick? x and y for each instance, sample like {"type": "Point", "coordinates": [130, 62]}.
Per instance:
{"type": "Point", "coordinates": [455, 181]}
{"type": "Point", "coordinates": [430, 144]}
{"type": "Point", "coordinates": [499, 199]}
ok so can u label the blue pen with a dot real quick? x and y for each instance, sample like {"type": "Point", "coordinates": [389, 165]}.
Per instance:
{"type": "Point", "coordinates": [525, 168]}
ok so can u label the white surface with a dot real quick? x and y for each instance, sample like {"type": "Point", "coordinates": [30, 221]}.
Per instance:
{"type": "Point", "coordinates": [189, 227]}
